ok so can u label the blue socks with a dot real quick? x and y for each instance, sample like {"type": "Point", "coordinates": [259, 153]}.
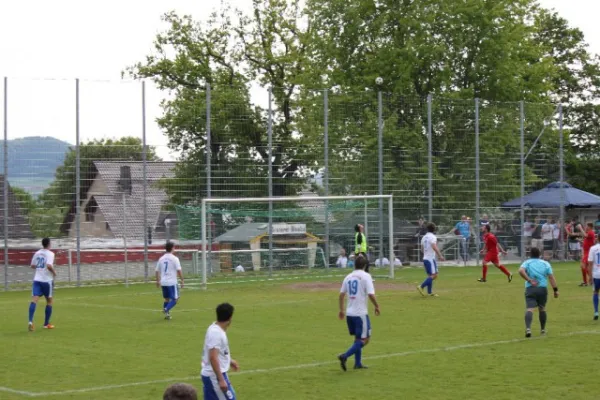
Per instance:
{"type": "Point", "coordinates": [170, 305]}
{"type": "Point", "coordinates": [595, 297]}
{"type": "Point", "coordinates": [428, 283]}
{"type": "Point", "coordinates": [358, 357]}
{"type": "Point", "coordinates": [165, 305]}
{"type": "Point", "coordinates": [355, 349]}
{"type": "Point", "coordinates": [31, 311]}
{"type": "Point", "coordinates": [48, 315]}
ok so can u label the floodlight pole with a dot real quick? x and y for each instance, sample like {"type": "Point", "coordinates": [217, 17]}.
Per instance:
{"type": "Point", "coordinates": [5, 189]}
{"type": "Point", "coordinates": [562, 168]}
{"type": "Point", "coordinates": [270, 166]}
{"type": "Point", "coordinates": [522, 154]}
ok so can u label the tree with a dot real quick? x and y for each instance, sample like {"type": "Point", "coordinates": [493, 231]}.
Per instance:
{"type": "Point", "coordinates": [61, 192]}
{"type": "Point", "coordinates": [24, 199]}
{"type": "Point", "coordinates": [230, 52]}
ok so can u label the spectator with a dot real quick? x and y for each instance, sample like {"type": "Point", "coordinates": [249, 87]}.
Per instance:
{"type": "Point", "coordinates": [342, 261]}
{"type": "Point", "coordinates": [385, 263]}
{"type": "Point", "coordinates": [575, 232]}
{"type": "Point", "coordinates": [527, 232]}
{"type": "Point", "coordinates": [351, 260]}
{"type": "Point", "coordinates": [463, 228]}
{"type": "Point", "coordinates": [397, 262]}
{"type": "Point", "coordinates": [557, 240]}
{"type": "Point", "coordinates": [548, 238]}
{"type": "Point", "coordinates": [180, 391]}
{"type": "Point", "coordinates": [536, 234]}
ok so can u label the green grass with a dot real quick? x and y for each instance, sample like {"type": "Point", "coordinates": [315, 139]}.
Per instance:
{"type": "Point", "coordinates": [113, 336]}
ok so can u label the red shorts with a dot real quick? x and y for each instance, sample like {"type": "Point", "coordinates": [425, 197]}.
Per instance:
{"type": "Point", "coordinates": [491, 258]}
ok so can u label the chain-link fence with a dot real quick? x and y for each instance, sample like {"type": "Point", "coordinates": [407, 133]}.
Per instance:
{"type": "Point", "coordinates": [110, 171]}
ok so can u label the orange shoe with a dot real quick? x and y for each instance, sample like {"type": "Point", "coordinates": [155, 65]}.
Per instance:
{"type": "Point", "coordinates": [49, 326]}
{"type": "Point", "coordinates": [31, 328]}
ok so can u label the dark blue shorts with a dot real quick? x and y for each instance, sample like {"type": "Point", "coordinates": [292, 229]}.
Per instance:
{"type": "Point", "coordinates": [359, 327]}
{"type": "Point", "coordinates": [212, 391]}
{"type": "Point", "coordinates": [170, 292]}
{"type": "Point", "coordinates": [42, 289]}
{"type": "Point", "coordinates": [430, 267]}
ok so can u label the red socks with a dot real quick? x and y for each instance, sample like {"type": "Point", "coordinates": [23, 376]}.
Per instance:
{"type": "Point", "coordinates": [504, 270]}
{"type": "Point", "coordinates": [484, 272]}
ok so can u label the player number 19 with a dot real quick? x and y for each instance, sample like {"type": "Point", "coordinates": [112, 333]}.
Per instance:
{"type": "Point", "coordinates": [352, 287]}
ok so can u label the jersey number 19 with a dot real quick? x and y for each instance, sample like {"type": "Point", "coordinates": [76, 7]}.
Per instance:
{"type": "Point", "coordinates": [352, 287]}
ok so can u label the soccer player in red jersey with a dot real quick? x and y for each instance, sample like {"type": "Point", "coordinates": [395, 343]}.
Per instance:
{"type": "Point", "coordinates": [588, 242]}
{"type": "Point", "coordinates": [491, 247]}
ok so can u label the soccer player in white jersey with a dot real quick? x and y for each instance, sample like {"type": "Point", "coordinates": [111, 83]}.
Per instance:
{"type": "Point", "coordinates": [359, 287]}
{"type": "Point", "coordinates": [43, 282]}
{"type": "Point", "coordinates": [216, 357]}
{"type": "Point", "coordinates": [594, 270]}
{"type": "Point", "coordinates": [168, 268]}
{"type": "Point", "coordinates": [430, 251]}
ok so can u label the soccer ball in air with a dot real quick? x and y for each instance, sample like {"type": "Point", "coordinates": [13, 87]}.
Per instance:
{"type": "Point", "coordinates": [379, 80]}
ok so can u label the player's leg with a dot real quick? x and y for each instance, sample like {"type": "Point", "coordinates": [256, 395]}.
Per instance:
{"type": "Point", "coordinates": [584, 272]}
{"type": "Point", "coordinates": [36, 292]}
{"type": "Point", "coordinates": [173, 296]}
{"type": "Point", "coordinates": [230, 393]}
{"type": "Point", "coordinates": [355, 326]}
{"type": "Point", "coordinates": [484, 270]}
{"type": "Point", "coordinates": [48, 289]}
{"type": "Point", "coordinates": [502, 268]}
{"type": "Point", "coordinates": [212, 391]}
{"type": "Point", "coordinates": [542, 299]}
{"type": "Point", "coordinates": [428, 265]}
{"type": "Point", "coordinates": [595, 297]}
{"type": "Point", "coordinates": [364, 340]}
{"type": "Point", "coordinates": [530, 305]}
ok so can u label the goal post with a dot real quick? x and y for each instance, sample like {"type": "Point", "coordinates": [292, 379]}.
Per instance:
{"type": "Point", "coordinates": [277, 223]}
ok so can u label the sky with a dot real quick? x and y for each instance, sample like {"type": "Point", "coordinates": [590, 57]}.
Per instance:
{"type": "Point", "coordinates": [46, 45]}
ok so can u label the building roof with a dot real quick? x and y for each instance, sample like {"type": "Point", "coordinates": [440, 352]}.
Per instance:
{"type": "Point", "coordinates": [248, 231]}
{"type": "Point", "coordinates": [111, 205]}
{"type": "Point", "coordinates": [18, 226]}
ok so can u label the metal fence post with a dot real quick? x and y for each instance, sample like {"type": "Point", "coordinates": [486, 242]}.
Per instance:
{"type": "Point", "coordinates": [326, 171]}
{"type": "Point", "coordinates": [429, 162]}
{"type": "Point", "coordinates": [270, 183]}
{"type": "Point", "coordinates": [5, 188]}
{"type": "Point", "coordinates": [208, 238]}
{"type": "Point", "coordinates": [77, 183]}
{"type": "Point", "coordinates": [522, 160]}
{"type": "Point", "coordinates": [562, 171]}
{"type": "Point", "coordinates": [380, 174]}
{"type": "Point", "coordinates": [145, 184]}
{"type": "Point", "coordinates": [477, 232]}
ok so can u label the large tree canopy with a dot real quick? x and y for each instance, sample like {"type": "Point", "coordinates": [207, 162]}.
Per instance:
{"type": "Point", "coordinates": [454, 50]}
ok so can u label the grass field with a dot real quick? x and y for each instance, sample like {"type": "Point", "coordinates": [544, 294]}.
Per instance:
{"type": "Point", "coordinates": [112, 343]}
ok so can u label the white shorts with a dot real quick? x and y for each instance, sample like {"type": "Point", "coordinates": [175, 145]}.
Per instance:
{"type": "Point", "coordinates": [574, 246]}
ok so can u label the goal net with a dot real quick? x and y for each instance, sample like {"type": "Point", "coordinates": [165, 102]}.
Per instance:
{"type": "Point", "coordinates": [284, 236]}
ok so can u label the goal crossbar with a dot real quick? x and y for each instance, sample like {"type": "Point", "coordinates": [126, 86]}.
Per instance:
{"type": "Point", "coordinates": [212, 200]}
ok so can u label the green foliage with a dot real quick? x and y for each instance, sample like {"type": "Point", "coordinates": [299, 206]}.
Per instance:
{"type": "Point", "coordinates": [24, 199]}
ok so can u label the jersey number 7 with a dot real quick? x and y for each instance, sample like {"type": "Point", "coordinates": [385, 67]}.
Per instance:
{"type": "Point", "coordinates": [166, 265]}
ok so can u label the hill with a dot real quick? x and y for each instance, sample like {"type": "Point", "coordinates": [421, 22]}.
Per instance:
{"type": "Point", "coordinates": [32, 161]}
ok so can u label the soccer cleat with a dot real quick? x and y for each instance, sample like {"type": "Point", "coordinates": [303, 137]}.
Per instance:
{"type": "Point", "coordinates": [510, 278]}
{"type": "Point", "coordinates": [434, 295]}
{"type": "Point", "coordinates": [583, 284]}
{"type": "Point", "coordinates": [167, 316]}
{"type": "Point", "coordinates": [543, 332]}
{"type": "Point", "coordinates": [31, 328]}
{"type": "Point", "coordinates": [481, 280]}
{"type": "Point", "coordinates": [49, 326]}
{"type": "Point", "coordinates": [595, 316]}
{"type": "Point", "coordinates": [361, 367]}
{"type": "Point", "coordinates": [420, 289]}
{"type": "Point", "coordinates": [343, 361]}
{"type": "Point", "coordinates": [528, 333]}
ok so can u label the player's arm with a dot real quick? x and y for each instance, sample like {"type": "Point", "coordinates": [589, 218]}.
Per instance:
{"type": "Point", "coordinates": [523, 273]}
{"type": "Point", "coordinates": [50, 268]}
{"type": "Point", "coordinates": [552, 280]}
{"type": "Point", "coordinates": [435, 248]}
{"type": "Point", "coordinates": [157, 274]}
{"type": "Point", "coordinates": [342, 297]}
{"type": "Point", "coordinates": [180, 275]}
{"type": "Point", "coordinates": [374, 301]}
{"type": "Point", "coordinates": [213, 356]}
{"type": "Point", "coordinates": [499, 246]}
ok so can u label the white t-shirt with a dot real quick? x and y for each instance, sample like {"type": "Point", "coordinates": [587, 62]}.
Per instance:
{"type": "Point", "coordinates": [341, 262]}
{"type": "Point", "coordinates": [397, 262]}
{"type": "Point", "coordinates": [168, 265]}
{"type": "Point", "coordinates": [378, 262]}
{"type": "Point", "coordinates": [41, 259]}
{"type": "Point", "coordinates": [547, 231]}
{"type": "Point", "coordinates": [527, 229]}
{"type": "Point", "coordinates": [594, 258]}
{"type": "Point", "coordinates": [215, 338]}
{"type": "Point", "coordinates": [555, 232]}
{"type": "Point", "coordinates": [358, 286]}
{"type": "Point", "coordinates": [427, 243]}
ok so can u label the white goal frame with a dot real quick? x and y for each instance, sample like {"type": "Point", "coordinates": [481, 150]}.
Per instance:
{"type": "Point", "coordinates": [206, 201]}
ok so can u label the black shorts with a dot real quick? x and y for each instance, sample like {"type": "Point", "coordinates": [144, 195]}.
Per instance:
{"type": "Point", "coordinates": [548, 245]}
{"type": "Point", "coordinates": [536, 297]}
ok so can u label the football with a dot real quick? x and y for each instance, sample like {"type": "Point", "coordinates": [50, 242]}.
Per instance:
{"type": "Point", "coordinates": [379, 80]}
